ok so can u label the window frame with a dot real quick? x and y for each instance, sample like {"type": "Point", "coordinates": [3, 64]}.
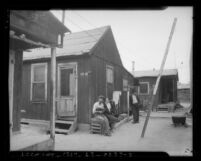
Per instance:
{"type": "Point", "coordinates": [32, 81]}
{"type": "Point", "coordinates": [147, 93]}
{"type": "Point", "coordinates": [110, 67]}
{"type": "Point", "coordinates": [125, 87]}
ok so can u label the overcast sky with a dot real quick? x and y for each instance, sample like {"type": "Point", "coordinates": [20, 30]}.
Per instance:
{"type": "Point", "coordinates": [142, 36]}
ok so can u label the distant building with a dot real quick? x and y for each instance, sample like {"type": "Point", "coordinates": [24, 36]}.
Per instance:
{"type": "Point", "coordinates": [167, 90]}
{"type": "Point", "coordinates": [183, 91]}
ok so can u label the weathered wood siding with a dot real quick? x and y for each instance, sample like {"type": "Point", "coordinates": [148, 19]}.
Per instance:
{"type": "Point", "coordinates": [34, 110]}
{"type": "Point", "coordinates": [184, 95]}
{"type": "Point", "coordinates": [106, 53]}
{"type": "Point", "coordinates": [147, 97]}
{"type": "Point", "coordinates": [152, 82]}
{"type": "Point", "coordinates": [91, 80]}
{"type": "Point", "coordinates": [41, 110]}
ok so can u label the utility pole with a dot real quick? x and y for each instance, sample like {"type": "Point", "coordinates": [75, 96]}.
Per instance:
{"type": "Point", "coordinates": [133, 67]}
{"type": "Point", "coordinates": [63, 16]}
{"type": "Point", "coordinates": [158, 78]}
{"type": "Point", "coordinates": [53, 93]}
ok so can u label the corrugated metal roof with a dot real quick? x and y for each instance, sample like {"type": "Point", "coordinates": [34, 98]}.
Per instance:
{"type": "Point", "coordinates": [154, 73]}
{"type": "Point", "coordinates": [76, 43]}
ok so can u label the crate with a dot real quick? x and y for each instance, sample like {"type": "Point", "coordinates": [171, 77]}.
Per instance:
{"type": "Point", "coordinates": [96, 128]}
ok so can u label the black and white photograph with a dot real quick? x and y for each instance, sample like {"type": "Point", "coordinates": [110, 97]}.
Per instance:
{"type": "Point", "coordinates": [101, 80]}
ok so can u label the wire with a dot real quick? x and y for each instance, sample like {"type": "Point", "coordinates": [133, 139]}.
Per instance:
{"type": "Point", "coordinates": [83, 29]}
{"type": "Point", "coordinates": [96, 40]}
{"type": "Point", "coordinates": [122, 44]}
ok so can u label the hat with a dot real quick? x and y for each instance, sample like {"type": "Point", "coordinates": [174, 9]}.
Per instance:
{"type": "Point", "coordinates": [101, 96]}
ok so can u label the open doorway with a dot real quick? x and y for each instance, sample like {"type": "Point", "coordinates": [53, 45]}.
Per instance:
{"type": "Point", "coordinates": [167, 90]}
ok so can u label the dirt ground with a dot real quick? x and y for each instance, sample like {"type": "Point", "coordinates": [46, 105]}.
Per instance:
{"type": "Point", "coordinates": [160, 135]}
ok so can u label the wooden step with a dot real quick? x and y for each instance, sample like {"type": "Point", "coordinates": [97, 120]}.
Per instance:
{"type": "Point", "coordinates": [67, 118]}
{"type": "Point", "coordinates": [162, 109]}
{"type": "Point", "coordinates": [64, 122]}
{"type": "Point", "coordinates": [63, 131]}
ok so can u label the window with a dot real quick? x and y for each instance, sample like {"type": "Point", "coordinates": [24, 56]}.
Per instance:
{"type": "Point", "coordinates": [109, 74]}
{"type": "Point", "coordinates": [66, 82]}
{"type": "Point", "coordinates": [136, 89]}
{"type": "Point", "coordinates": [125, 84]}
{"type": "Point", "coordinates": [39, 82]}
{"type": "Point", "coordinates": [144, 88]}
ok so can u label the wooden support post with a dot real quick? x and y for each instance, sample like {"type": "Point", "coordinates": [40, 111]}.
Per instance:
{"type": "Point", "coordinates": [63, 16]}
{"type": "Point", "coordinates": [128, 103]}
{"type": "Point", "coordinates": [191, 76]}
{"type": "Point", "coordinates": [158, 78]}
{"type": "Point", "coordinates": [173, 91]}
{"type": "Point", "coordinates": [11, 87]}
{"type": "Point", "coordinates": [53, 93]}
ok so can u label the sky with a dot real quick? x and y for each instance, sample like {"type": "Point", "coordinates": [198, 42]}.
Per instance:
{"type": "Point", "coordinates": [142, 35]}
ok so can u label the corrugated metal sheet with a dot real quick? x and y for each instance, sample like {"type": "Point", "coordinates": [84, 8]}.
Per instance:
{"type": "Point", "coordinates": [154, 73]}
{"type": "Point", "coordinates": [74, 44]}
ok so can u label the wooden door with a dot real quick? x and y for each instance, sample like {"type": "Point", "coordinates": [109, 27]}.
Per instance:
{"type": "Point", "coordinates": [67, 86]}
{"type": "Point", "coordinates": [109, 81]}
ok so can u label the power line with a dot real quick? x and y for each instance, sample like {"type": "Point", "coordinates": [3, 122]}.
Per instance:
{"type": "Point", "coordinates": [95, 39]}
{"type": "Point", "coordinates": [144, 59]}
{"type": "Point", "coordinates": [82, 29]}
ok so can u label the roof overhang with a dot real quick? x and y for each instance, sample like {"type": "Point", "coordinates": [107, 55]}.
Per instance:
{"type": "Point", "coordinates": [38, 26]}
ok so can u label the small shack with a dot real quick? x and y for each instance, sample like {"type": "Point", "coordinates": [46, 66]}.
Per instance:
{"type": "Point", "coordinates": [27, 30]}
{"type": "Point", "coordinates": [183, 91]}
{"type": "Point", "coordinates": [88, 65]}
{"type": "Point", "coordinates": [167, 91]}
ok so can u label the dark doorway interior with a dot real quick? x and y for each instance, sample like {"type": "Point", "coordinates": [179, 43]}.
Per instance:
{"type": "Point", "coordinates": [167, 90]}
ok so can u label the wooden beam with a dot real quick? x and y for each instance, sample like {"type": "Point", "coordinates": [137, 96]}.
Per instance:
{"type": "Point", "coordinates": [53, 93]}
{"type": "Point", "coordinates": [39, 44]}
{"type": "Point", "coordinates": [159, 77]}
{"type": "Point", "coordinates": [11, 87]}
{"type": "Point", "coordinates": [128, 102]}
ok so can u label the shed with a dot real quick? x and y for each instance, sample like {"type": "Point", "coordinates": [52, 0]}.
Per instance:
{"type": "Point", "coordinates": [183, 92]}
{"type": "Point", "coordinates": [167, 91]}
{"type": "Point", "coordinates": [88, 65]}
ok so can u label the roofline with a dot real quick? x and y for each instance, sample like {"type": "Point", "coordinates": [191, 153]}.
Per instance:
{"type": "Point", "coordinates": [57, 57]}
{"type": "Point", "coordinates": [65, 29]}
{"type": "Point", "coordinates": [96, 44]}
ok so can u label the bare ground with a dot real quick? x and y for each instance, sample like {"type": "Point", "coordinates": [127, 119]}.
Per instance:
{"type": "Point", "coordinates": [160, 135]}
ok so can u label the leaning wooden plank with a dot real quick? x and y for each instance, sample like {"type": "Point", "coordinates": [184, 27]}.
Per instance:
{"type": "Point", "coordinates": [158, 78]}
{"type": "Point", "coordinates": [118, 124]}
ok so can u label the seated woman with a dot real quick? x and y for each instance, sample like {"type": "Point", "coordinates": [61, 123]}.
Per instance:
{"type": "Point", "coordinates": [98, 112]}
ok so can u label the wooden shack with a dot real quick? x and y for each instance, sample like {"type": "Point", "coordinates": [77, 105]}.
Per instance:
{"type": "Point", "coordinates": [28, 30]}
{"type": "Point", "coordinates": [183, 91]}
{"type": "Point", "coordinates": [167, 91]}
{"type": "Point", "coordinates": [88, 65]}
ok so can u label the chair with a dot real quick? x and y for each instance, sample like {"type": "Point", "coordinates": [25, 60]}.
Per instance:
{"type": "Point", "coordinates": [96, 128]}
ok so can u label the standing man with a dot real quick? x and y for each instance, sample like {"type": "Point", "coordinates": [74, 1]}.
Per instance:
{"type": "Point", "coordinates": [134, 105]}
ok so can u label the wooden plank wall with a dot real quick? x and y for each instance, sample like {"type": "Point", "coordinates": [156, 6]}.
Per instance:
{"type": "Point", "coordinates": [34, 110]}
{"type": "Point", "coordinates": [106, 53]}
{"type": "Point", "coordinates": [90, 86]}
{"type": "Point", "coordinates": [41, 110]}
